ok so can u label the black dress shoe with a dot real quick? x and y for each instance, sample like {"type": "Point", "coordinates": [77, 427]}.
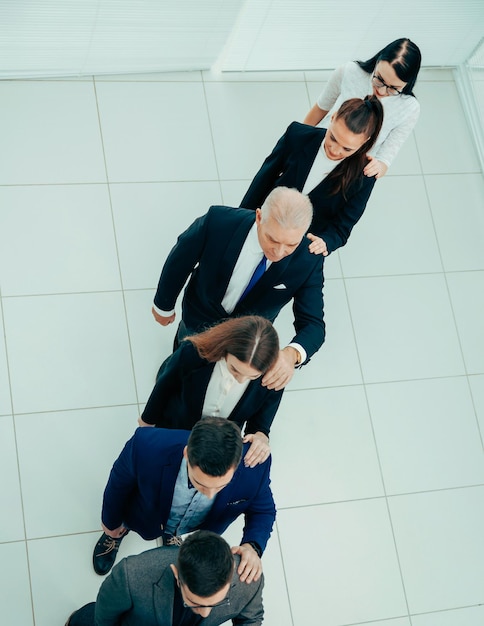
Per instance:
{"type": "Point", "coordinates": [105, 552]}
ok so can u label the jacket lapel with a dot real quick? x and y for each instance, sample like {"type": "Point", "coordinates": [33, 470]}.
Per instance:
{"type": "Point", "coordinates": [163, 597]}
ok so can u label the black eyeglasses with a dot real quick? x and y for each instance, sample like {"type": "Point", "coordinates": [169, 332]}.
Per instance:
{"type": "Point", "coordinates": [225, 602]}
{"type": "Point", "coordinates": [379, 83]}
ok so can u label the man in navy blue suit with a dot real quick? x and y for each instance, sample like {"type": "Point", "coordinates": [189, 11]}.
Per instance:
{"type": "Point", "coordinates": [221, 253]}
{"type": "Point", "coordinates": [167, 483]}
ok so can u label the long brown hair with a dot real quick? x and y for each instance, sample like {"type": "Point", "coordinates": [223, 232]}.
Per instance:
{"type": "Point", "coordinates": [361, 117]}
{"type": "Point", "coordinates": [251, 339]}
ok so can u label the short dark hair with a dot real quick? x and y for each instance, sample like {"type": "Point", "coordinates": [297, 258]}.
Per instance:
{"type": "Point", "coordinates": [215, 446]}
{"type": "Point", "coordinates": [205, 563]}
{"type": "Point", "coordinates": [405, 58]}
{"type": "Point", "coordinates": [251, 339]}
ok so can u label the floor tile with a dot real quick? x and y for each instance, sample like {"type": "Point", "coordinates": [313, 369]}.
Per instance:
{"type": "Point", "coordinates": [470, 616]}
{"type": "Point", "coordinates": [76, 251]}
{"type": "Point", "coordinates": [427, 434]}
{"type": "Point", "coordinates": [148, 219]}
{"type": "Point", "coordinates": [403, 249]}
{"type": "Point", "coordinates": [441, 547]}
{"type": "Point", "coordinates": [15, 598]}
{"type": "Point", "coordinates": [5, 398]}
{"type": "Point", "coordinates": [406, 162]}
{"type": "Point", "coordinates": [336, 362]}
{"type": "Point", "coordinates": [50, 133]}
{"type": "Point", "coordinates": [459, 232]}
{"type": "Point", "coordinates": [11, 523]}
{"type": "Point", "coordinates": [340, 455]}
{"type": "Point", "coordinates": [155, 131]}
{"type": "Point", "coordinates": [399, 324]}
{"type": "Point", "coordinates": [276, 602]}
{"type": "Point", "coordinates": [58, 498]}
{"type": "Point", "coordinates": [240, 153]}
{"type": "Point", "coordinates": [467, 295]}
{"type": "Point", "coordinates": [151, 343]}
{"type": "Point", "coordinates": [398, 621]}
{"type": "Point", "coordinates": [75, 355]}
{"type": "Point", "coordinates": [341, 571]}
{"type": "Point", "coordinates": [443, 137]}
{"type": "Point", "coordinates": [61, 585]}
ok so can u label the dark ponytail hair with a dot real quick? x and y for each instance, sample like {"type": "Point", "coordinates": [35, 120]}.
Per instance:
{"type": "Point", "coordinates": [362, 117]}
{"type": "Point", "coordinates": [405, 58]}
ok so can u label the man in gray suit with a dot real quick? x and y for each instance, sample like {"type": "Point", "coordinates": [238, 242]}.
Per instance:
{"type": "Point", "coordinates": [171, 586]}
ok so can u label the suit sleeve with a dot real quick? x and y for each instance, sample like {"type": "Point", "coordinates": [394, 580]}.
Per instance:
{"type": "Point", "coordinates": [261, 514]}
{"type": "Point", "coordinates": [261, 420]}
{"type": "Point", "coordinates": [168, 384]}
{"type": "Point", "coordinates": [121, 483]}
{"type": "Point", "coordinates": [114, 597]}
{"type": "Point", "coordinates": [308, 310]}
{"type": "Point", "coordinates": [180, 263]}
{"type": "Point", "coordinates": [253, 612]}
{"type": "Point", "coordinates": [336, 233]}
{"type": "Point", "coordinates": [266, 178]}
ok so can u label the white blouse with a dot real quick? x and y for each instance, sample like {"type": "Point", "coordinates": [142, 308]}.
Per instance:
{"type": "Point", "coordinates": [400, 113]}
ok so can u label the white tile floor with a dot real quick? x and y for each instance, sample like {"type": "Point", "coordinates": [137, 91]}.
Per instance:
{"type": "Point", "coordinates": [378, 465]}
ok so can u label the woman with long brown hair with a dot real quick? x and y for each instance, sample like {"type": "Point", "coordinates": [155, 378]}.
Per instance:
{"type": "Point", "coordinates": [218, 373]}
{"type": "Point", "coordinates": [327, 165]}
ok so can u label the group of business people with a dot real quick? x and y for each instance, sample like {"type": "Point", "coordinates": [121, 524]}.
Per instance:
{"type": "Point", "coordinates": [207, 461]}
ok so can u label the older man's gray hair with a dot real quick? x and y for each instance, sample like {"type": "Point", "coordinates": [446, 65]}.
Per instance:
{"type": "Point", "coordinates": [289, 207]}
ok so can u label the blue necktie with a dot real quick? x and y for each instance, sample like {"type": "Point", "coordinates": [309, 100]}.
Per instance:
{"type": "Point", "coordinates": [258, 273]}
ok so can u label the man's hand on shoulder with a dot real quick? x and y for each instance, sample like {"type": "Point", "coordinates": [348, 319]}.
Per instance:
{"type": "Point", "coordinates": [164, 321]}
{"type": "Point", "coordinates": [282, 371]}
{"type": "Point", "coordinates": [250, 567]}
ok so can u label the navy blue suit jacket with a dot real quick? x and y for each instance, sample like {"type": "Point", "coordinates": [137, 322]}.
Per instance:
{"type": "Point", "coordinates": [178, 396]}
{"type": "Point", "coordinates": [142, 481]}
{"type": "Point", "coordinates": [289, 165]}
{"type": "Point", "coordinates": [207, 253]}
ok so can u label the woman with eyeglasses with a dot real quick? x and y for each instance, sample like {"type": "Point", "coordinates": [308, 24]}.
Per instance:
{"type": "Point", "coordinates": [327, 165]}
{"type": "Point", "coordinates": [217, 373]}
{"type": "Point", "coordinates": [390, 75]}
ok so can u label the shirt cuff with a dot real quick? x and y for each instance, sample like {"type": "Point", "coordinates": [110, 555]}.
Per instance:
{"type": "Point", "coordinates": [301, 350]}
{"type": "Point", "coordinates": [163, 313]}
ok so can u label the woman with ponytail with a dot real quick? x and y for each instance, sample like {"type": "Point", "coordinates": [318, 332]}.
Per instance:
{"type": "Point", "coordinates": [327, 165]}
{"type": "Point", "coordinates": [390, 75]}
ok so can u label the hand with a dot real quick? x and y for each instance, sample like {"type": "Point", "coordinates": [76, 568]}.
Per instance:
{"type": "Point", "coordinates": [375, 167]}
{"type": "Point", "coordinates": [164, 321]}
{"type": "Point", "coordinates": [142, 424]}
{"type": "Point", "coordinates": [250, 567]}
{"type": "Point", "coordinates": [282, 371]}
{"type": "Point", "coordinates": [116, 533]}
{"type": "Point", "coordinates": [318, 245]}
{"type": "Point", "coordinates": [259, 449]}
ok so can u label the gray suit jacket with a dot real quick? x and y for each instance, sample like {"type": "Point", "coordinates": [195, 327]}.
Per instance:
{"type": "Point", "coordinates": [140, 590]}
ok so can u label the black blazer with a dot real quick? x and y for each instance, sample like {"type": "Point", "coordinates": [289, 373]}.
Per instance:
{"type": "Point", "coordinates": [207, 252]}
{"type": "Point", "coordinates": [289, 165]}
{"type": "Point", "coordinates": [177, 398]}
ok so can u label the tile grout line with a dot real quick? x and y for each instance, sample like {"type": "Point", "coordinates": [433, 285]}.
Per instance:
{"type": "Point", "coordinates": [130, 346]}
{"type": "Point", "coordinates": [19, 476]}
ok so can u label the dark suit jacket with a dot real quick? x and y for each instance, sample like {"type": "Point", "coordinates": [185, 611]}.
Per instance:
{"type": "Point", "coordinates": [141, 590]}
{"type": "Point", "coordinates": [289, 165]}
{"type": "Point", "coordinates": [177, 398]}
{"type": "Point", "coordinates": [142, 481]}
{"type": "Point", "coordinates": [214, 242]}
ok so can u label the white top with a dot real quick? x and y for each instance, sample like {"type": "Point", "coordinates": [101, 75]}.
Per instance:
{"type": "Point", "coordinates": [320, 168]}
{"type": "Point", "coordinates": [400, 113]}
{"type": "Point", "coordinates": [223, 392]}
{"type": "Point", "coordinates": [249, 258]}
